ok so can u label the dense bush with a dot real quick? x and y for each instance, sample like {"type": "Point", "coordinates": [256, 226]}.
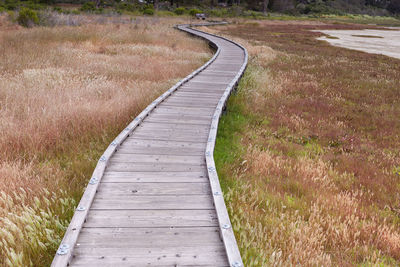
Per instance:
{"type": "Point", "coordinates": [148, 11]}
{"type": "Point", "coordinates": [58, 9]}
{"type": "Point", "coordinates": [88, 7]}
{"type": "Point", "coordinates": [194, 11]}
{"type": "Point", "coordinates": [27, 17]}
{"type": "Point", "coordinates": [127, 7]}
{"type": "Point", "coordinates": [10, 4]}
{"type": "Point", "coordinates": [179, 11]}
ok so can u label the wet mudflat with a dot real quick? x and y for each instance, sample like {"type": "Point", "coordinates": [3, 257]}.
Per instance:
{"type": "Point", "coordinates": [385, 42]}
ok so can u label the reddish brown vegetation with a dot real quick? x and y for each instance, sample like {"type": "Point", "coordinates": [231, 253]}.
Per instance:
{"type": "Point", "coordinates": [324, 142]}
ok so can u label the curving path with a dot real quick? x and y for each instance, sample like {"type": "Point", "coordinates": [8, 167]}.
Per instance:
{"type": "Point", "coordinates": [155, 198]}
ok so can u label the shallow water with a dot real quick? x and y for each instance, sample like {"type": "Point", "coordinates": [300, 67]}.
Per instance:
{"type": "Point", "coordinates": [385, 42]}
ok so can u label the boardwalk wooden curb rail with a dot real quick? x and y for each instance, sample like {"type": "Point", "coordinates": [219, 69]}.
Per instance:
{"type": "Point", "coordinates": [149, 202]}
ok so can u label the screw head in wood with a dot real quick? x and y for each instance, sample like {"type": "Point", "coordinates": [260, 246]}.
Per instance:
{"type": "Point", "coordinates": [236, 264]}
{"type": "Point", "coordinates": [80, 208]}
{"type": "Point", "coordinates": [93, 180]}
{"type": "Point", "coordinates": [226, 226]}
{"type": "Point", "coordinates": [102, 158]}
{"type": "Point", "coordinates": [113, 143]}
{"type": "Point", "coordinates": [63, 249]}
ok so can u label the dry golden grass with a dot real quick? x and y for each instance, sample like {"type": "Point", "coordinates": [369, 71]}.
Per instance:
{"type": "Point", "coordinates": [65, 92]}
{"type": "Point", "coordinates": [308, 163]}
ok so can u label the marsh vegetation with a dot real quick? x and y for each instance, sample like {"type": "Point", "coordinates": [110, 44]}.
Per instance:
{"type": "Point", "coordinates": [308, 150]}
{"type": "Point", "coordinates": [65, 93]}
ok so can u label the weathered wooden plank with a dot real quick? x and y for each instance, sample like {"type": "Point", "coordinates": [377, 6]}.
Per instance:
{"type": "Point", "coordinates": [186, 109]}
{"type": "Point", "coordinates": [218, 79]}
{"type": "Point", "coordinates": [148, 237]}
{"type": "Point", "coordinates": [200, 94]}
{"type": "Point", "coordinates": [177, 120]}
{"type": "Point", "coordinates": [154, 177]}
{"type": "Point", "coordinates": [138, 142]}
{"type": "Point", "coordinates": [140, 252]}
{"type": "Point", "coordinates": [217, 258]}
{"type": "Point", "coordinates": [204, 99]}
{"type": "Point", "coordinates": [227, 67]}
{"type": "Point", "coordinates": [167, 125]}
{"type": "Point", "coordinates": [139, 189]}
{"type": "Point", "coordinates": [173, 136]}
{"type": "Point", "coordinates": [153, 202]}
{"type": "Point", "coordinates": [209, 82]}
{"type": "Point", "coordinates": [123, 264]}
{"type": "Point", "coordinates": [187, 112]}
{"type": "Point", "coordinates": [181, 117]}
{"type": "Point", "coordinates": [202, 90]}
{"type": "Point", "coordinates": [203, 85]}
{"type": "Point", "coordinates": [151, 218]}
{"type": "Point", "coordinates": [195, 102]}
{"type": "Point", "coordinates": [152, 130]}
{"type": "Point", "coordinates": [217, 72]}
{"type": "Point", "coordinates": [161, 150]}
{"type": "Point", "coordinates": [161, 167]}
{"type": "Point", "coordinates": [190, 136]}
{"type": "Point", "coordinates": [96, 264]}
{"type": "Point", "coordinates": [154, 158]}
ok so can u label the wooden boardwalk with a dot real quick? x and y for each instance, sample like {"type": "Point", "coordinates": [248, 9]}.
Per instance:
{"type": "Point", "coordinates": [155, 199]}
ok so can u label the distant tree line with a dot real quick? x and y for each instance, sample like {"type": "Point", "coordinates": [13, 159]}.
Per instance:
{"type": "Point", "coordinates": [371, 7]}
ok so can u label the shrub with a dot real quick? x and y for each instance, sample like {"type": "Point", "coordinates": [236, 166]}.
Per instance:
{"type": "Point", "coordinates": [127, 7]}
{"type": "Point", "coordinates": [194, 11]}
{"type": "Point", "coordinates": [57, 9]}
{"type": "Point", "coordinates": [179, 11]}
{"type": "Point", "coordinates": [10, 4]}
{"type": "Point", "coordinates": [11, 15]}
{"type": "Point", "coordinates": [88, 7]}
{"type": "Point", "coordinates": [34, 5]}
{"type": "Point", "coordinates": [148, 11]}
{"type": "Point", "coordinates": [27, 17]}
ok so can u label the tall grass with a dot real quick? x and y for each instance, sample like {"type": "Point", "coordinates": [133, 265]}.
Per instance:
{"type": "Point", "coordinates": [65, 92]}
{"type": "Point", "coordinates": [307, 151]}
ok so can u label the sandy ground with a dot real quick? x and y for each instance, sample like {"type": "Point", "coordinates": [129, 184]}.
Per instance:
{"type": "Point", "coordinates": [371, 41]}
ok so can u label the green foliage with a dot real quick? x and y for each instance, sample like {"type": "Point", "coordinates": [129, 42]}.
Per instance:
{"type": "Point", "coordinates": [194, 11]}
{"type": "Point", "coordinates": [180, 11]}
{"type": "Point", "coordinates": [10, 4]}
{"type": "Point", "coordinates": [27, 17]}
{"type": "Point", "coordinates": [11, 15]}
{"type": "Point", "coordinates": [58, 9]}
{"type": "Point", "coordinates": [148, 11]}
{"type": "Point", "coordinates": [88, 7]}
{"type": "Point", "coordinates": [37, 227]}
{"type": "Point", "coordinates": [126, 6]}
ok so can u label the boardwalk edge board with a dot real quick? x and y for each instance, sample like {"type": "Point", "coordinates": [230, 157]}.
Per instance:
{"type": "Point", "coordinates": [65, 251]}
